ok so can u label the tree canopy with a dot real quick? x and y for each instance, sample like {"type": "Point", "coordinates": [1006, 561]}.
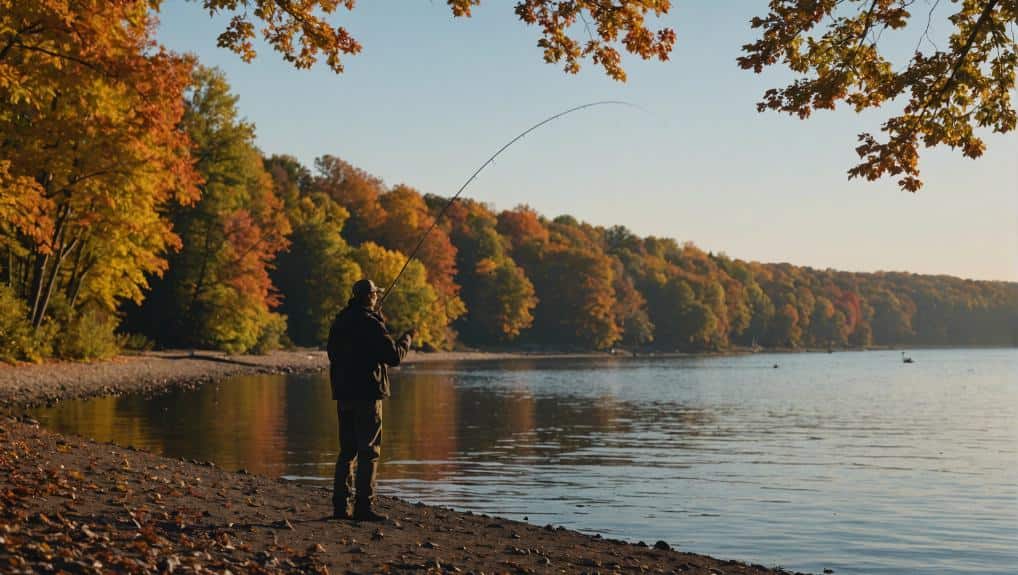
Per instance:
{"type": "Point", "coordinates": [132, 196]}
{"type": "Point", "coordinates": [835, 50]}
{"type": "Point", "coordinates": [832, 47]}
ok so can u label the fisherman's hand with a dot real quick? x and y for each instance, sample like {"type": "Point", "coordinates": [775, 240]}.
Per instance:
{"type": "Point", "coordinates": [411, 333]}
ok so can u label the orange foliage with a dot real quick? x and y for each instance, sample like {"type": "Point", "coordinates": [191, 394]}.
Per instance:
{"type": "Point", "coordinates": [91, 146]}
{"type": "Point", "coordinates": [407, 219]}
{"type": "Point", "coordinates": [522, 225]}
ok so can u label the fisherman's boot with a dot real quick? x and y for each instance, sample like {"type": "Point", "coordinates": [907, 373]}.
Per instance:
{"type": "Point", "coordinates": [342, 489]}
{"type": "Point", "coordinates": [366, 469]}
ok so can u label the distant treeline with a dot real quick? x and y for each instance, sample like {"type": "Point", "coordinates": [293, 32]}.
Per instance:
{"type": "Point", "coordinates": [244, 253]}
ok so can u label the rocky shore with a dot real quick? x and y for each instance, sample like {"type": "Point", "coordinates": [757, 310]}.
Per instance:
{"type": "Point", "coordinates": [72, 505]}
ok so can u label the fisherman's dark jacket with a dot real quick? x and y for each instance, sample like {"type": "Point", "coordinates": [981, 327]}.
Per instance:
{"type": "Point", "coordinates": [360, 348]}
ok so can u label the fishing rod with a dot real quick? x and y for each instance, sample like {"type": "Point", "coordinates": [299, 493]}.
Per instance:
{"type": "Point", "coordinates": [480, 169]}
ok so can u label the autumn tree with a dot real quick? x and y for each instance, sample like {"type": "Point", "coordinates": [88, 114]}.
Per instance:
{"type": "Point", "coordinates": [786, 327]}
{"type": "Point", "coordinates": [832, 47]}
{"type": "Point", "coordinates": [576, 298]}
{"type": "Point", "coordinates": [396, 219]}
{"type": "Point", "coordinates": [834, 50]}
{"type": "Point", "coordinates": [749, 308]}
{"type": "Point", "coordinates": [302, 33]}
{"type": "Point", "coordinates": [407, 220]}
{"type": "Point", "coordinates": [497, 292]}
{"type": "Point", "coordinates": [314, 273]}
{"type": "Point", "coordinates": [828, 327]}
{"type": "Point", "coordinates": [681, 321]}
{"type": "Point", "coordinates": [522, 225]}
{"type": "Point", "coordinates": [218, 292]}
{"type": "Point", "coordinates": [91, 154]}
{"type": "Point", "coordinates": [355, 190]}
{"type": "Point", "coordinates": [573, 280]}
{"type": "Point", "coordinates": [412, 301]}
{"type": "Point", "coordinates": [631, 310]}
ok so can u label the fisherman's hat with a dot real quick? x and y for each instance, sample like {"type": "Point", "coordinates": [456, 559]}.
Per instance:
{"type": "Point", "coordinates": [365, 286]}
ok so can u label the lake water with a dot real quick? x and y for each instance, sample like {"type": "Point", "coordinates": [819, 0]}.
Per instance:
{"type": "Point", "coordinates": [851, 461]}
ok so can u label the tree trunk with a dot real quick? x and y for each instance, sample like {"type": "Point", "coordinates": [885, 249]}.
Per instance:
{"type": "Point", "coordinates": [77, 287]}
{"type": "Point", "coordinates": [53, 278]}
{"type": "Point", "coordinates": [199, 284]}
{"type": "Point", "coordinates": [41, 285]}
{"type": "Point", "coordinates": [76, 271]}
{"type": "Point", "coordinates": [38, 270]}
{"type": "Point", "coordinates": [24, 269]}
{"type": "Point", "coordinates": [9, 270]}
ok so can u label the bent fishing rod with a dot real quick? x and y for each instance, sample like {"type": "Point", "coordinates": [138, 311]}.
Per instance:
{"type": "Point", "coordinates": [456, 196]}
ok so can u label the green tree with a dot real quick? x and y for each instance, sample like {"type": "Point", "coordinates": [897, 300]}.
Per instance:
{"type": "Point", "coordinates": [318, 266]}
{"type": "Point", "coordinates": [218, 292]}
{"type": "Point", "coordinates": [413, 302]}
{"type": "Point", "coordinates": [682, 321]}
{"type": "Point", "coordinates": [498, 294]}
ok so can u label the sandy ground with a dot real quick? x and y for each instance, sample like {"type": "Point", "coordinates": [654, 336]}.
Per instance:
{"type": "Point", "coordinates": [72, 505]}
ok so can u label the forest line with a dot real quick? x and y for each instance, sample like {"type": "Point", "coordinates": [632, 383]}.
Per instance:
{"type": "Point", "coordinates": [136, 210]}
{"type": "Point", "coordinates": [264, 255]}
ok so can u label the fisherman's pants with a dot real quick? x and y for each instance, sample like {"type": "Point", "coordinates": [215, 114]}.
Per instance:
{"type": "Point", "coordinates": [360, 441]}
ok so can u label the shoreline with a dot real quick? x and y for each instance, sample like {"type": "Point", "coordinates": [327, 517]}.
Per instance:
{"type": "Point", "coordinates": [79, 505]}
{"type": "Point", "coordinates": [151, 372]}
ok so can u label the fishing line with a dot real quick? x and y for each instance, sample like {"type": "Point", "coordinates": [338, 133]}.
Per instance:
{"type": "Point", "coordinates": [485, 165]}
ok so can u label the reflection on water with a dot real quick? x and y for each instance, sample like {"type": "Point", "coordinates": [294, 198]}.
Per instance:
{"type": "Point", "coordinates": [849, 461]}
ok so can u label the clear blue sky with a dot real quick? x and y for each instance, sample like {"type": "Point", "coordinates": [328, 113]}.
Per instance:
{"type": "Point", "coordinates": [431, 97]}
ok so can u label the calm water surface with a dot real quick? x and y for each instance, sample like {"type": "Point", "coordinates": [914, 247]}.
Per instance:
{"type": "Point", "coordinates": [849, 461]}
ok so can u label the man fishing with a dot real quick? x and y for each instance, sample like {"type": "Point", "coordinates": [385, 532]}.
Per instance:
{"type": "Point", "coordinates": [360, 348]}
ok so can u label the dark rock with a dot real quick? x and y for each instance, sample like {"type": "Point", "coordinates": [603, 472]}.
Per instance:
{"type": "Point", "coordinates": [663, 546]}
